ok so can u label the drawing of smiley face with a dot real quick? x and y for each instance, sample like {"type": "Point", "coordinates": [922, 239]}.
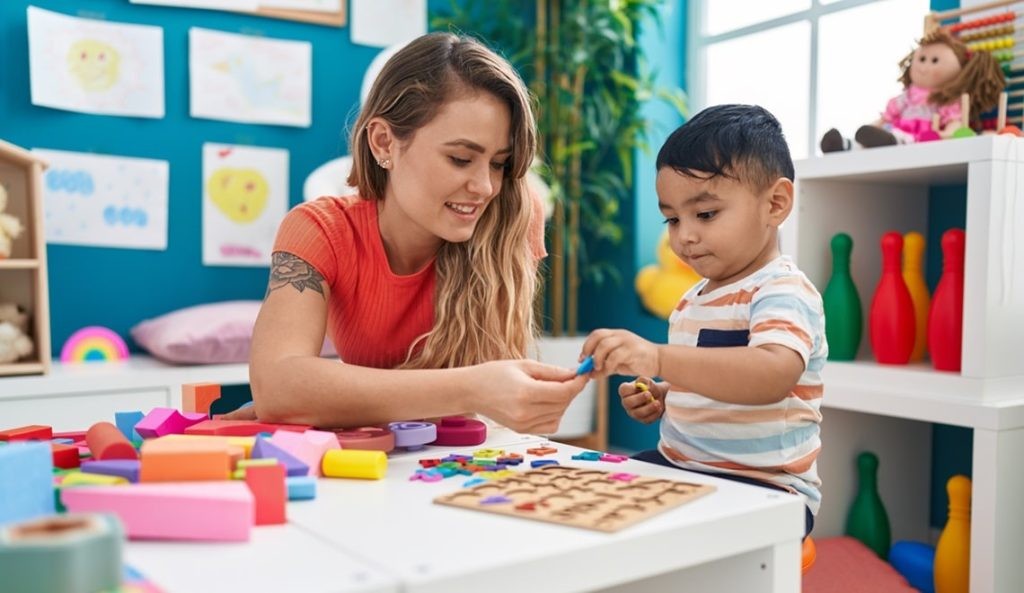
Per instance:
{"type": "Point", "coordinates": [94, 65]}
{"type": "Point", "coordinates": [241, 194]}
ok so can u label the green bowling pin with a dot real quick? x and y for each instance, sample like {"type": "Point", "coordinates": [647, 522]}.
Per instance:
{"type": "Point", "coordinates": [867, 520]}
{"type": "Point", "coordinates": [843, 317]}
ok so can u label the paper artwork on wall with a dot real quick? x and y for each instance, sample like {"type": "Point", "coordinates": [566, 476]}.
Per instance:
{"type": "Point", "coordinates": [249, 79]}
{"type": "Point", "coordinates": [105, 201]}
{"type": "Point", "coordinates": [214, 4]}
{"type": "Point", "coordinates": [380, 23]}
{"type": "Point", "coordinates": [245, 196]}
{"type": "Point", "coordinates": [314, 5]}
{"type": "Point", "coordinates": [95, 66]}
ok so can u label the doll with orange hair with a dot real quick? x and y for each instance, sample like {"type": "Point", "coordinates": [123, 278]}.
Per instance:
{"type": "Point", "coordinates": [934, 77]}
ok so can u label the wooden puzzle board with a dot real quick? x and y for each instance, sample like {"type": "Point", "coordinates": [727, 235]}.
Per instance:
{"type": "Point", "coordinates": [579, 497]}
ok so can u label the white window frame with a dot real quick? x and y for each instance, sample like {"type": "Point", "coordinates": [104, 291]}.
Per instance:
{"type": "Point", "coordinates": [697, 43]}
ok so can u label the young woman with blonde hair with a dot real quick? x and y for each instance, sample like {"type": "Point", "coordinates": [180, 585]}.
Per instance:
{"type": "Point", "coordinates": [425, 281]}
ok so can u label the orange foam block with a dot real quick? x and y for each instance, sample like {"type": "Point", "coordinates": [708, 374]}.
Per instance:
{"type": "Point", "coordinates": [198, 511]}
{"type": "Point", "coordinates": [25, 433]}
{"type": "Point", "coordinates": [180, 459]}
{"type": "Point", "coordinates": [242, 428]}
{"type": "Point", "coordinates": [162, 421]}
{"type": "Point", "coordinates": [106, 441]}
{"type": "Point", "coordinates": [241, 447]}
{"type": "Point", "coordinates": [309, 446]}
{"type": "Point", "coordinates": [197, 397]}
{"type": "Point", "coordinates": [266, 482]}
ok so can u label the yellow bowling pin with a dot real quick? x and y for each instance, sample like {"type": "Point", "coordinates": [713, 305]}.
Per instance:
{"type": "Point", "coordinates": [913, 275]}
{"type": "Point", "coordinates": [953, 552]}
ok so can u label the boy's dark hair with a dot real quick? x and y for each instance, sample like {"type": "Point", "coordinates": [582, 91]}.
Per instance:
{"type": "Point", "coordinates": [740, 142]}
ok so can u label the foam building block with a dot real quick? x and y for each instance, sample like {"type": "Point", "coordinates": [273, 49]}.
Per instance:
{"type": "Point", "coordinates": [308, 446]}
{"type": "Point", "coordinates": [162, 421]}
{"type": "Point", "coordinates": [126, 422]}
{"type": "Point", "coordinates": [197, 511]}
{"type": "Point", "coordinates": [72, 479]}
{"type": "Point", "coordinates": [244, 428]}
{"type": "Point", "coordinates": [26, 433]}
{"type": "Point", "coordinates": [107, 442]}
{"type": "Point", "coordinates": [62, 554]}
{"type": "Point", "coordinates": [353, 463]}
{"type": "Point", "coordinates": [301, 487]}
{"type": "Point", "coordinates": [459, 431]}
{"type": "Point", "coordinates": [74, 435]}
{"type": "Point", "coordinates": [64, 456]}
{"type": "Point", "coordinates": [26, 482]}
{"type": "Point", "coordinates": [122, 468]}
{"type": "Point", "coordinates": [198, 397]}
{"type": "Point", "coordinates": [242, 445]}
{"type": "Point", "coordinates": [176, 460]}
{"type": "Point", "coordinates": [266, 482]}
{"type": "Point", "coordinates": [294, 466]}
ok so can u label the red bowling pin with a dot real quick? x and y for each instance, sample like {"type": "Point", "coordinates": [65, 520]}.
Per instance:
{"type": "Point", "coordinates": [891, 322]}
{"type": "Point", "coordinates": [946, 317]}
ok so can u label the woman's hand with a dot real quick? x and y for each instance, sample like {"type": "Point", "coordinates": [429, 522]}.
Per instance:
{"type": "Point", "coordinates": [619, 352]}
{"type": "Point", "coordinates": [525, 395]}
{"type": "Point", "coordinates": [643, 399]}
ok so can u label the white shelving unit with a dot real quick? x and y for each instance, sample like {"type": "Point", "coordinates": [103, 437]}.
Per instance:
{"type": "Point", "coordinates": [888, 409]}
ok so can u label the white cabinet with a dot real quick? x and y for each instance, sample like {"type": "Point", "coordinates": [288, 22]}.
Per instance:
{"type": "Point", "coordinates": [866, 193]}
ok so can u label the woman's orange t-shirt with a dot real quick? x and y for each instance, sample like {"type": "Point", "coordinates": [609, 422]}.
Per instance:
{"type": "Point", "coordinates": [373, 314]}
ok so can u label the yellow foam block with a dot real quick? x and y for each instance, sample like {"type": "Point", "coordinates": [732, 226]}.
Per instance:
{"type": "Point", "coordinates": [352, 463]}
{"type": "Point", "coordinates": [86, 479]}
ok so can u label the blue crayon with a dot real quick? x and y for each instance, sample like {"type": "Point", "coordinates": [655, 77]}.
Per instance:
{"type": "Point", "coordinates": [586, 366]}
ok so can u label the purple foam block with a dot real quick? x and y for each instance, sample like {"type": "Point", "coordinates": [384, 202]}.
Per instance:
{"type": "Point", "coordinates": [293, 466]}
{"type": "Point", "coordinates": [125, 468]}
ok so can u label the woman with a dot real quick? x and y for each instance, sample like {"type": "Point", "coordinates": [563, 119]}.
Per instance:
{"type": "Point", "coordinates": [426, 279]}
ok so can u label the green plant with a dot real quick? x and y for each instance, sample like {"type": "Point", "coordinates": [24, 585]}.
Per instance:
{"type": "Point", "coordinates": [582, 61]}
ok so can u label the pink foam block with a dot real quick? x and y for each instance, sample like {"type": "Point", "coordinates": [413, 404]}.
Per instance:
{"type": "Point", "coordinates": [220, 511]}
{"type": "Point", "coordinates": [308, 446]}
{"type": "Point", "coordinates": [161, 421]}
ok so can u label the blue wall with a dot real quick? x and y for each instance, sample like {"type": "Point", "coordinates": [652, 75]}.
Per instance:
{"type": "Point", "coordinates": [118, 288]}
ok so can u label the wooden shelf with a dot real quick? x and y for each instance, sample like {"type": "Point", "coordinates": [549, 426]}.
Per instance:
{"type": "Point", "coordinates": [19, 264]}
{"type": "Point", "coordinates": [21, 368]}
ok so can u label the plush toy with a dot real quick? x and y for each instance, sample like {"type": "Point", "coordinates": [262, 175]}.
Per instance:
{"type": "Point", "coordinates": [10, 227]}
{"type": "Point", "coordinates": [935, 75]}
{"type": "Point", "coordinates": [661, 285]}
{"type": "Point", "coordinates": [14, 340]}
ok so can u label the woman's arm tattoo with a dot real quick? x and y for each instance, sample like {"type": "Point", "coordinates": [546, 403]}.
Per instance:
{"type": "Point", "coordinates": [286, 269]}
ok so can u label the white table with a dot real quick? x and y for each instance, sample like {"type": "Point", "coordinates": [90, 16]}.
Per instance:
{"type": "Point", "coordinates": [378, 536]}
{"type": "Point", "coordinates": [739, 538]}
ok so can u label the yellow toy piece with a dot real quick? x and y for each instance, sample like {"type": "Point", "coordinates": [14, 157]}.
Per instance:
{"type": "Point", "coordinates": [353, 463]}
{"type": "Point", "coordinates": [661, 285]}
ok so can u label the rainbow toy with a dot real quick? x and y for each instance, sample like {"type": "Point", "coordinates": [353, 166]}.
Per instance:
{"type": "Point", "coordinates": [93, 343]}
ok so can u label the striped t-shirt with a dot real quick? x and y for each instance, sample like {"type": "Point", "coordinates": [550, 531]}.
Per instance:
{"type": "Point", "coordinates": [776, 443]}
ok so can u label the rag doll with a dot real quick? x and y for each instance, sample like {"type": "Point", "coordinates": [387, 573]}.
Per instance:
{"type": "Point", "coordinates": [934, 77]}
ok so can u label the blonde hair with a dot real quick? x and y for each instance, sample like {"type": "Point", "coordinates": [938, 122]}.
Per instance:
{"type": "Point", "coordinates": [980, 75]}
{"type": "Point", "coordinates": [483, 301]}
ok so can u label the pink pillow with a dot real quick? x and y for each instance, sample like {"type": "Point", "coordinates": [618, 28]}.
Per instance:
{"type": "Point", "coordinates": [204, 334]}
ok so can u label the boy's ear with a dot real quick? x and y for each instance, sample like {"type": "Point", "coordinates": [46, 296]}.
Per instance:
{"type": "Point", "coordinates": [380, 137]}
{"type": "Point", "coordinates": [780, 201]}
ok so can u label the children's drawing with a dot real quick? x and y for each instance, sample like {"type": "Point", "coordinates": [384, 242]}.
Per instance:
{"type": "Point", "coordinates": [95, 66]}
{"type": "Point", "coordinates": [381, 23]}
{"type": "Point", "coordinates": [249, 79]}
{"type": "Point", "coordinates": [105, 201]}
{"type": "Point", "coordinates": [245, 196]}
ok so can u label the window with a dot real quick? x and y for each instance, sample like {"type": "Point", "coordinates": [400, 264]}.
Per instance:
{"type": "Point", "coordinates": [815, 64]}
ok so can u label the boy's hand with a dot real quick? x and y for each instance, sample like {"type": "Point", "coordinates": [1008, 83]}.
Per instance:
{"type": "Point", "coordinates": [643, 399]}
{"type": "Point", "coordinates": [619, 352]}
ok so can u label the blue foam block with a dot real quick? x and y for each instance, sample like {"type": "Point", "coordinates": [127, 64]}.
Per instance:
{"type": "Point", "coordinates": [26, 481]}
{"type": "Point", "coordinates": [301, 487]}
{"type": "Point", "coordinates": [126, 422]}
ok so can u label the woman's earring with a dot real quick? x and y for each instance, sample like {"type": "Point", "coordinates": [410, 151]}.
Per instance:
{"type": "Point", "coordinates": [384, 163]}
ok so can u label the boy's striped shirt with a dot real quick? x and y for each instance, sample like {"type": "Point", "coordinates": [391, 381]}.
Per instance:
{"type": "Point", "coordinates": [776, 443]}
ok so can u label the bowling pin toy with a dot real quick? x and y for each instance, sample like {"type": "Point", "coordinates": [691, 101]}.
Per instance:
{"type": "Point", "coordinates": [953, 552]}
{"type": "Point", "coordinates": [843, 317]}
{"type": "Point", "coordinates": [867, 520]}
{"type": "Point", "coordinates": [946, 318]}
{"type": "Point", "coordinates": [891, 320]}
{"type": "Point", "coordinates": [913, 275]}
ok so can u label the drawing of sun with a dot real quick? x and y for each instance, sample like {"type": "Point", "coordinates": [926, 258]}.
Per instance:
{"type": "Point", "coordinates": [95, 65]}
{"type": "Point", "coordinates": [241, 194]}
